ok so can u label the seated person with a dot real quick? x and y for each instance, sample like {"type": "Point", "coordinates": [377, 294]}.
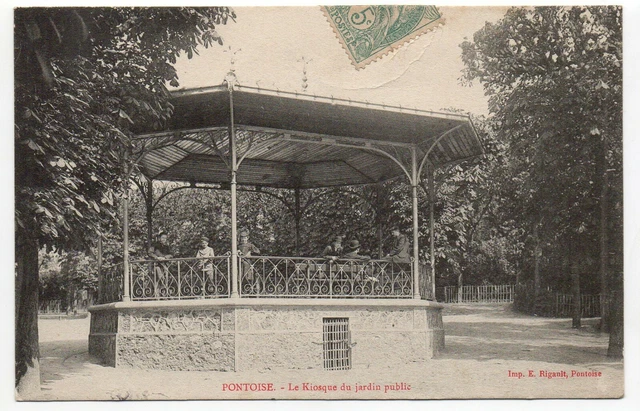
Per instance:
{"type": "Point", "coordinates": [352, 252]}
{"type": "Point", "coordinates": [334, 250]}
{"type": "Point", "coordinates": [400, 251]}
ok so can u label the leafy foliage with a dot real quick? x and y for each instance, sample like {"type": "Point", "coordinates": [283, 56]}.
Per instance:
{"type": "Point", "coordinates": [81, 78]}
{"type": "Point", "coordinates": [555, 85]}
{"type": "Point", "coordinates": [471, 232]}
{"type": "Point", "coordinates": [62, 274]}
{"type": "Point", "coordinates": [74, 116]}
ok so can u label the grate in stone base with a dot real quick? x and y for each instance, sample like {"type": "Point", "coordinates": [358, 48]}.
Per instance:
{"type": "Point", "coordinates": [336, 343]}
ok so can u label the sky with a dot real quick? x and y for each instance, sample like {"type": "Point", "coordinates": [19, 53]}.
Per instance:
{"type": "Point", "coordinates": [270, 45]}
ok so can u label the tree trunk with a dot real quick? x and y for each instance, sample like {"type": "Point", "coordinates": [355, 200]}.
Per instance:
{"type": "Point", "coordinates": [537, 253]}
{"type": "Point", "coordinates": [149, 212]}
{"type": "Point", "coordinates": [601, 166]}
{"type": "Point", "coordinates": [604, 253]}
{"type": "Point", "coordinates": [460, 279]}
{"type": "Point", "coordinates": [380, 252]}
{"type": "Point", "coordinates": [616, 322]}
{"type": "Point", "coordinates": [574, 265]}
{"type": "Point", "coordinates": [297, 217]}
{"type": "Point", "coordinates": [616, 270]}
{"type": "Point", "coordinates": [26, 322]}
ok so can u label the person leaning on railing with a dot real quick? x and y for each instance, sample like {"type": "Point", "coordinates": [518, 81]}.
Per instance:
{"type": "Point", "coordinates": [361, 268]}
{"type": "Point", "coordinates": [334, 250]}
{"type": "Point", "coordinates": [246, 249]}
{"type": "Point", "coordinates": [206, 265]}
{"type": "Point", "coordinates": [160, 250]}
{"type": "Point", "coordinates": [400, 251]}
{"type": "Point", "coordinates": [352, 252]}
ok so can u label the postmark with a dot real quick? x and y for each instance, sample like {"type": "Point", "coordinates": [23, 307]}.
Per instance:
{"type": "Point", "coordinates": [369, 32]}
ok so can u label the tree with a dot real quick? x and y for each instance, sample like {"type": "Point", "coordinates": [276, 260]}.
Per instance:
{"type": "Point", "coordinates": [554, 79]}
{"type": "Point", "coordinates": [470, 239]}
{"type": "Point", "coordinates": [63, 275]}
{"type": "Point", "coordinates": [81, 76]}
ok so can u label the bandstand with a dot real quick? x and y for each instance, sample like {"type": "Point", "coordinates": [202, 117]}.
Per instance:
{"type": "Point", "coordinates": [235, 312]}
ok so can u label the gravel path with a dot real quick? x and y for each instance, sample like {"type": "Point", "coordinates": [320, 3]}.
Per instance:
{"type": "Point", "coordinates": [491, 352]}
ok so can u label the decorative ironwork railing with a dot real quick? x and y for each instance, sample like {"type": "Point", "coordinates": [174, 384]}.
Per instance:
{"type": "Point", "coordinates": [318, 277]}
{"type": "Point", "coordinates": [261, 276]}
{"type": "Point", "coordinates": [180, 278]}
{"type": "Point", "coordinates": [111, 284]}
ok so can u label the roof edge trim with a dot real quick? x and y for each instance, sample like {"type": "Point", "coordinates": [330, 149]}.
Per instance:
{"type": "Point", "coordinates": [320, 99]}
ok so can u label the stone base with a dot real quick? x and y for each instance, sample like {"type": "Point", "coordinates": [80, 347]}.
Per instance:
{"type": "Point", "coordinates": [254, 334]}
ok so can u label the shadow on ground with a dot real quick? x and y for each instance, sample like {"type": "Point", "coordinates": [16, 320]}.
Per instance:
{"type": "Point", "coordinates": [61, 359]}
{"type": "Point", "coordinates": [64, 349]}
{"type": "Point", "coordinates": [515, 336]}
{"type": "Point", "coordinates": [483, 343]}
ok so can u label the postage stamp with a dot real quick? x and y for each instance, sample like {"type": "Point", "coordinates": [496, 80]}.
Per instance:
{"type": "Point", "coordinates": [369, 32]}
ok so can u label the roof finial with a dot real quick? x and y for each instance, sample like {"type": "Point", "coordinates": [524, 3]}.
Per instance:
{"type": "Point", "coordinates": [304, 72]}
{"type": "Point", "coordinates": [232, 61]}
{"type": "Point", "coordinates": [231, 79]}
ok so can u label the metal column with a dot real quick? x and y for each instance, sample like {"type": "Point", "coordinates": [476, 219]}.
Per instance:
{"type": "Point", "coordinates": [234, 214]}
{"type": "Point", "coordinates": [296, 193]}
{"type": "Point", "coordinates": [100, 273]}
{"type": "Point", "coordinates": [432, 254]}
{"type": "Point", "coordinates": [125, 230]}
{"type": "Point", "coordinates": [414, 198]}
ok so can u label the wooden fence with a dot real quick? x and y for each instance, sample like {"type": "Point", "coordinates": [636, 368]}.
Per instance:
{"type": "Point", "coordinates": [80, 304]}
{"type": "Point", "coordinates": [477, 294]}
{"type": "Point", "coordinates": [50, 307]}
{"type": "Point", "coordinates": [549, 303]}
{"type": "Point", "coordinates": [590, 305]}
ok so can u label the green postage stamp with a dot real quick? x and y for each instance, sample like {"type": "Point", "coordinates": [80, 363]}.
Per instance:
{"type": "Point", "coordinates": [369, 32]}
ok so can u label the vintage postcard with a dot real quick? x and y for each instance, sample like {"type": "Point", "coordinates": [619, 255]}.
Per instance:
{"type": "Point", "coordinates": [319, 203]}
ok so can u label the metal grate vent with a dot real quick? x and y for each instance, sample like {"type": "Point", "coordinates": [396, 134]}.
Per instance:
{"type": "Point", "coordinates": [336, 343]}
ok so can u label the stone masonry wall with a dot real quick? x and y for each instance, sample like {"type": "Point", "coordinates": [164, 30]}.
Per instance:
{"type": "Point", "coordinates": [244, 338]}
{"type": "Point", "coordinates": [102, 337]}
{"type": "Point", "coordinates": [291, 337]}
{"type": "Point", "coordinates": [435, 331]}
{"type": "Point", "coordinates": [179, 352]}
{"type": "Point", "coordinates": [177, 339]}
